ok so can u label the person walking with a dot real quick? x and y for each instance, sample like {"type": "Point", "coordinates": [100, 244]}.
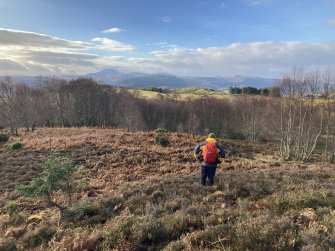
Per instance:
{"type": "Point", "coordinates": [210, 154]}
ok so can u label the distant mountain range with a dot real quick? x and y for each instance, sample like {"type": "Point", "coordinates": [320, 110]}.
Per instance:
{"type": "Point", "coordinates": [139, 80]}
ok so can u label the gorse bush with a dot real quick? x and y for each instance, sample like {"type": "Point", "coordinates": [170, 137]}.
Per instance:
{"type": "Point", "coordinates": [4, 137]}
{"type": "Point", "coordinates": [161, 137]}
{"type": "Point", "coordinates": [16, 145]}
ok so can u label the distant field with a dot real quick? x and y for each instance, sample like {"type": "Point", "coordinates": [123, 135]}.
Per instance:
{"type": "Point", "coordinates": [142, 196]}
{"type": "Point", "coordinates": [181, 93]}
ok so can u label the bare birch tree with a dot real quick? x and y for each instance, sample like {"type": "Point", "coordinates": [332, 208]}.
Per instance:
{"type": "Point", "coordinates": [301, 118]}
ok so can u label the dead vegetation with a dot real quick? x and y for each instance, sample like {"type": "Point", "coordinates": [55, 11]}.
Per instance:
{"type": "Point", "coordinates": [138, 195]}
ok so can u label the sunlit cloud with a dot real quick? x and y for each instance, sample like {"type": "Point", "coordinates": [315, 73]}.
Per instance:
{"type": "Point", "coordinates": [26, 39]}
{"type": "Point", "coordinates": [112, 45]}
{"type": "Point", "coordinates": [28, 53]}
{"type": "Point", "coordinates": [163, 45]}
{"type": "Point", "coordinates": [113, 30]}
{"type": "Point", "coordinates": [8, 65]}
{"type": "Point", "coordinates": [254, 59]}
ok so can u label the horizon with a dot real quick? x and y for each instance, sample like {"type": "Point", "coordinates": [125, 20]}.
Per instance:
{"type": "Point", "coordinates": [130, 72]}
{"type": "Point", "coordinates": [255, 38]}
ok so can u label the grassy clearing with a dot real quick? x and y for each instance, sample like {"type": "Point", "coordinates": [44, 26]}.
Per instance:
{"type": "Point", "coordinates": [181, 93]}
{"type": "Point", "coordinates": [137, 195]}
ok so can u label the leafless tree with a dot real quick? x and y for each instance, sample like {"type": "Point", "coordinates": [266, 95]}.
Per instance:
{"type": "Point", "coordinates": [328, 102]}
{"type": "Point", "coordinates": [250, 110]}
{"type": "Point", "coordinates": [7, 93]}
{"type": "Point", "coordinates": [301, 119]}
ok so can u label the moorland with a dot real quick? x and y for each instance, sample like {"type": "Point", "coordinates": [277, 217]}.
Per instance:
{"type": "Point", "coordinates": [135, 194]}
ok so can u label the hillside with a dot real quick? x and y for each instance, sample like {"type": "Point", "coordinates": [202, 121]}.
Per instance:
{"type": "Point", "coordinates": [138, 80]}
{"type": "Point", "coordinates": [178, 93]}
{"type": "Point", "coordinates": [137, 195]}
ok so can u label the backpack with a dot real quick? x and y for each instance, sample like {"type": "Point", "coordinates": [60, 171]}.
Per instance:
{"type": "Point", "coordinates": [209, 153]}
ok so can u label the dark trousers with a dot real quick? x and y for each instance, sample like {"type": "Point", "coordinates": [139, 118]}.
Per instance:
{"type": "Point", "coordinates": [207, 172]}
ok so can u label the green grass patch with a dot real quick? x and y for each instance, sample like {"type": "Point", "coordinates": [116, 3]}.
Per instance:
{"type": "Point", "coordinates": [309, 198]}
{"type": "Point", "coordinates": [16, 145]}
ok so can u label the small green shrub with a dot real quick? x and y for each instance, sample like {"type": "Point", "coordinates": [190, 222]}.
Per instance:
{"type": "Point", "coordinates": [145, 233]}
{"type": "Point", "coordinates": [56, 176]}
{"type": "Point", "coordinates": [160, 130]}
{"type": "Point", "coordinates": [207, 239]}
{"type": "Point", "coordinates": [161, 140]}
{"type": "Point", "coordinates": [303, 199]}
{"type": "Point", "coordinates": [8, 245]}
{"type": "Point", "coordinates": [265, 232]}
{"type": "Point", "coordinates": [136, 204]}
{"type": "Point", "coordinates": [4, 137]}
{"type": "Point", "coordinates": [173, 205]}
{"type": "Point", "coordinates": [110, 207]}
{"type": "Point", "coordinates": [180, 223]}
{"type": "Point", "coordinates": [121, 232]}
{"type": "Point", "coordinates": [157, 195]}
{"type": "Point", "coordinates": [15, 213]}
{"type": "Point", "coordinates": [40, 236]}
{"type": "Point", "coordinates": [161, 137]}
{"type": "Point", "coordinates": [81, 211]}
{"type": "Point", "coordinates": [16, 145]}
{"type": "Point", "coordinates": [12, 209]}
{"type": "Point", "coordinates": [149, 232]}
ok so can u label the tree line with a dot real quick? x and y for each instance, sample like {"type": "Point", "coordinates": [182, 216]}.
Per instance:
{"type": "Point", "coordinates": [267, 91]}
{"type": "Point", "coordinates": [300, 118]}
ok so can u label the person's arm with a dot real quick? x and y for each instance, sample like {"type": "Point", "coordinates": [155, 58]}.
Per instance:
{"type": "Point", "coordinates": [198, 152]}
{"type": "Point", "coordinates": [222, 153]}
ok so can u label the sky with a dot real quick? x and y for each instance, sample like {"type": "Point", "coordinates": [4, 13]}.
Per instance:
{"type": "Point", "coordinates": [264, 38]}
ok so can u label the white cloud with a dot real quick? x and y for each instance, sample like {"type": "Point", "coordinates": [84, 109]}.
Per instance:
{"type": "Point", "coordinates": [163, 44]}
{"type": "Point", "coordinates": [255, 59]}
{"type": "Point", "coordinates": [35, 40]}
{"type": "Point", "coordinates": [113, 30]}
{"type": "Point", "coordinates": [58, 58]}
{"type": "Point", "coordinates": [112, 45]}
{"type": "Point", "coordinates": [28, 53]}
{"type": "Point", "coordinates": [8, 65]}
